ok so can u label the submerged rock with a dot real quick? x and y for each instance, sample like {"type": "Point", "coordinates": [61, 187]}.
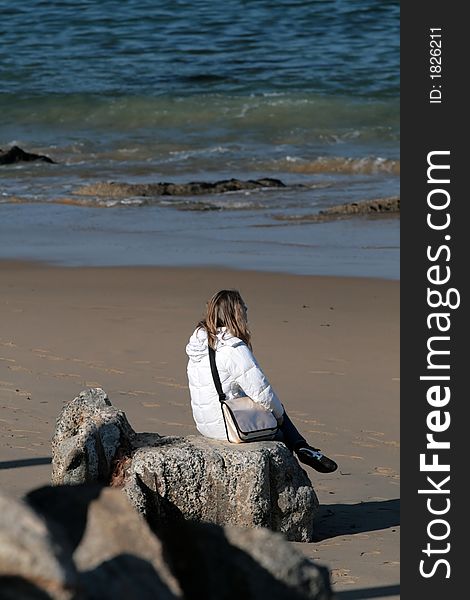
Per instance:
{"type": "Point", "coordinates": [367, 207]}
{"type": "Point", "coordinates": [380, 206]}
{"type": "Point", "coordinates": [169, 478]}
{"type": "Point", "coordinates": [16, 154]}
{"type": "Point", "coordinates": [194, 188]}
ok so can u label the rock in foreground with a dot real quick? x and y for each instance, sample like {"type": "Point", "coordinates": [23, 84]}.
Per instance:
{"type": "Point", "coordinates": [35, 560]}
{"type": "Point", "coordinates": [86, 542]}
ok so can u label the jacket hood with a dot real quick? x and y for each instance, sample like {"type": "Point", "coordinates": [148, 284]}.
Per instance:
{"type": "Point", "coordinates": [197, 347]}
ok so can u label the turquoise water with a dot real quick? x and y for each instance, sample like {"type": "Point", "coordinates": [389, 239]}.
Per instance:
{"type": "Point", "coordinates": [307, 92]}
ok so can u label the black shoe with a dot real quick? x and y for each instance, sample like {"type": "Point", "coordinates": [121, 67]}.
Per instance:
{"type": "Point", "coordinates": [315, 459]}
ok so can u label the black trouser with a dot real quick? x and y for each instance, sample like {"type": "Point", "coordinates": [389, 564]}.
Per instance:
{"type": "Point", "coordinates": [290, 435]}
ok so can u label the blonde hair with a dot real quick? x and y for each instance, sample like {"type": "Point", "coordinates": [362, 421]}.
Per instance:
{"type": "Point", "coordinates": [226, 309]}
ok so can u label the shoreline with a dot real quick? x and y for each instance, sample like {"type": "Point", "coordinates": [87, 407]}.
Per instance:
{"type": "Point", "coordinates": [20, 263]}
{"type": "Point", "coordinates": [162, 236]}
{"type": "Point", "coordinates": [329, 346]}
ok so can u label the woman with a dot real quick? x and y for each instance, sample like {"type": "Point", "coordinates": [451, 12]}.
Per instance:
{"type": "Point", "coordinates": [225, 328]}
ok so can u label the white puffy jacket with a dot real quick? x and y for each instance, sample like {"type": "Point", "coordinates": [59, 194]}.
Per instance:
{"type": "Point", "coordinates": [240, 375]}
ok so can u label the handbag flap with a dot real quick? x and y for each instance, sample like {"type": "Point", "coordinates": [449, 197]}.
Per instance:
{"type": "Point", "coordinates": [250, 415]}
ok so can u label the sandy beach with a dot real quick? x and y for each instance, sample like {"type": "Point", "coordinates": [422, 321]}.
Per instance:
{"type": "Point", "coordinates": [330, 347]}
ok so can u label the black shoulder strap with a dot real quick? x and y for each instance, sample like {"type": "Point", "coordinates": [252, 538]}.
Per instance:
{"type": "Point", "coordinates": [215, 374]}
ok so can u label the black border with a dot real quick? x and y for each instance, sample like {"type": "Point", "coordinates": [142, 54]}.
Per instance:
{"type": "Point", "coordinates": [427, 127]}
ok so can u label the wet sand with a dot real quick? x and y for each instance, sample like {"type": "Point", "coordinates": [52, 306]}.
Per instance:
{"type": "Point", "coordinates": [329, 346]}
{"type": "Point", "coordinates": [79, 236]}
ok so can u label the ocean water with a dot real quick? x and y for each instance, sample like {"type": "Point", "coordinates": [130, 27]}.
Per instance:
{"type": "Point", "coordinates": [145, 92]}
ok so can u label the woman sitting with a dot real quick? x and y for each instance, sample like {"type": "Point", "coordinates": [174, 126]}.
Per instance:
{"type": "Point", "coordinates": [225, 329]}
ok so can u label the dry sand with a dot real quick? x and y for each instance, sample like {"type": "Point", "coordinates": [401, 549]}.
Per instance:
{"type": "Point", "coordinates": [330, 347]}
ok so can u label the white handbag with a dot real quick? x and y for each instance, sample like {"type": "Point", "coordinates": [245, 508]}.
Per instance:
{"type": "Point", "coordinates": [245, 420]}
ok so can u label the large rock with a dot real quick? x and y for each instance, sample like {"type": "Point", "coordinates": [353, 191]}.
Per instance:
{"type": "Point", "coordinates": [245, 485]}
{"type": "Point", "coordinates": [117, 556]}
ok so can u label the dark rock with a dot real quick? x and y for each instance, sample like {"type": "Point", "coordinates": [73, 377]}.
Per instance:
{"type": "Point", "coordinates": [118, 556]}
{"type": "Point", "coordinates": [230, 563]}
{"type": "Point", "coordinates": [16, 154]}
